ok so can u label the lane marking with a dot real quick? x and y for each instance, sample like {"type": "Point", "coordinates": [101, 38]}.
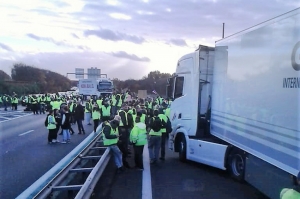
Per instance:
{"type": "Point", "coordinates": [26, 133]}
{"type": "Point", "coordinates": [147, 185]}
{"type": "Point", "coordinates": [15, 118]}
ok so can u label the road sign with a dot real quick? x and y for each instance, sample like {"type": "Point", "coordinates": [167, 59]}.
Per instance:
{"type": "Point", "coordinates": [94, 73]}
{"type": "Point", "coordinates": [79, 73]}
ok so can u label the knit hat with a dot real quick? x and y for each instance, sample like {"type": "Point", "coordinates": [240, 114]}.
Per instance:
{"type": "Point", "coordinates": [117, 118]}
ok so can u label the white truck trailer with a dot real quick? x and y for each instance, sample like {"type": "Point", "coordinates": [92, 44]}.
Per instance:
{"type": "Point", "coordinates": [236, 106]}
{"type": "Point", "coordinates": [95, 87]}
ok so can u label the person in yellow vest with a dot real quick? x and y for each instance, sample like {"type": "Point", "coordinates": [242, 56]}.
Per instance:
{"type": "Point", "coordinates": [34, 103]}
{"type": "Point", "coordinates": [105, 111]}
{"type": "Point", "coordinates": [292, 193]}
{"type": "Point", "coordinates": [119, 102]}
{"type": "Point", "coordinates": [99, 101]}
{"type": "Point", "coordinates": [96, 117]}
{"type": "Point", "coordinates": [114, 104]}
{"type": "Point", "coordinates": [124, 139]}
{"type": "Point", "coordinates": [51, 127]}
{"type": "Point", "coordinates": [88, 111]}
{"type": "Point", "coordinates": [15, 102]}
{"type": "Point", "coordinates": [154, 142]}
{"type": "Point", "coordinates": [42, 101]}
{"type": "Point", "coordinates": [164, 136]}
{"type": "Point", "coordinates": [138, 137]}
{"type": "Point", "coordinates": [110, 140]}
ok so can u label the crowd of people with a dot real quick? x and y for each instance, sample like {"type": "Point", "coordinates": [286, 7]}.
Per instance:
{"type": "Point", "coordinates": [123, 123]}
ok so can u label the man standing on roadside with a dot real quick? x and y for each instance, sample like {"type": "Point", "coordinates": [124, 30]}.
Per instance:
{"type": "Point", "coordinates": [79, 116]}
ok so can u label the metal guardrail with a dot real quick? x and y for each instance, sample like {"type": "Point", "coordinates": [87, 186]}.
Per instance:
{"type": "Point", "coordinates": [57, 176]}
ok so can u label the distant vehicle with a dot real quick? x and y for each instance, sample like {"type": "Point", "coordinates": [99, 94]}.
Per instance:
{"type": "Point", "coordinates": [93, 87]}
{"type": "Point", "coordinates": [236, 105]}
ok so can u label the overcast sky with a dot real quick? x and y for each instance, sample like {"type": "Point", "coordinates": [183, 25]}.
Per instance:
{"type": "Point", "coordinates": [124, 38]}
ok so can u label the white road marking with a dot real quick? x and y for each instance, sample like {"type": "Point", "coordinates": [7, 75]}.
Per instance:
{"type": "Point", "coordinates": [26, 133]}
{"type": "Point", "coordinates": [147, 185]}
{"type": "Point", "coordinates": [14, 118]}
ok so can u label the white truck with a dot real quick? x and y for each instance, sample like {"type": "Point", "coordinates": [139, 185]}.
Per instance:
{"type": "Point", "coordinates": [95, 87]}
{"type": "Point", "coordinates": [236, 106]}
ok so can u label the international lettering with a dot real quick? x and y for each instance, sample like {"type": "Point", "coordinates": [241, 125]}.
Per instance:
{"type": "Point", "coordinates": [291, 82]}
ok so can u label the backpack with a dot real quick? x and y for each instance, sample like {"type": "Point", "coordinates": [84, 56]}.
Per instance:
{"type": "Point", "coordinates": [46, 121]}
{"type": "Point", "coordinates": [157, 124]}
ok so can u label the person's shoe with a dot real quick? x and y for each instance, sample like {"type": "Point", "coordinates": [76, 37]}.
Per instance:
{"type": "Point", "coordinates": [152, 161]}
{"type": "Point", "coordinates": [138, 168]}
{"type": "Point", "coordinates": [162, 158]}
{"type": "Point", "coordinates": [63, 142]}
{"type": "Point", "coordinates": [89, 124]}
{"type": "Point", "coordinates": [54, 141]}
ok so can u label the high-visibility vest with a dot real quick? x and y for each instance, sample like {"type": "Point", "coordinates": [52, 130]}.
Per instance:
{"type": "Point", "coordinates": [138, 134]}
{"type": "Point", "coordinates": [105, 111]}
{"type": "Point", "coordinates": [96, 115]}
{"type": "Point", "coordinates": [289, 194]}
{"type": "Point", "coordinates": [143, 118]}
{"type": "Point", "coordinates": [113, 100]}
{"type": "Point", "coordinates": [167, 112]}
{"type": "Point", "coordinates": [99, 102]}
{"type": "Point", "coordinates": [108, 142]}
{"type": "Point", "coordinates": [33, 100]}
{"type": "Point", "coordinates": [42, 100]}
{"type": "Point", "coordinates": [163, 117]}
{"type": "Point", "coordinates": [121, 123]}
{"type": "Point", "coordinates": [120, 101]}
{"type": "Point", "coordinates": [88, 105]}
{"type": "Point", "coordinates": [153, 132]}
{"type": "Point", "coordinates": [51, 125]}
{"type": "Point", "coordinates": [48, 99]}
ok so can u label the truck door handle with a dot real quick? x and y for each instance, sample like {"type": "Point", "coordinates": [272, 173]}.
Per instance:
{"type": "Point", "coordinates": [179, 116]}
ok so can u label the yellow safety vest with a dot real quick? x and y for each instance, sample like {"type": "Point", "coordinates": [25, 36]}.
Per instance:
{"type": "Point", "coordinates": [108, 142]}
{"type": "Point", "coordinates": [121, 123]}
{"type": "Point", "coordinates": [105, 111]}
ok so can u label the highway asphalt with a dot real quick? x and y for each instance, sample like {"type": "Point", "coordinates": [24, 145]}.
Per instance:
{"type": "Point", "coordinates": [25, 154]}
{"type": "Point", "coordinates": [172, 179]}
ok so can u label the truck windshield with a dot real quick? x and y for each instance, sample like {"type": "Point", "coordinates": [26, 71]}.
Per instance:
{"type": "Point", "coordinates": [105, 86]}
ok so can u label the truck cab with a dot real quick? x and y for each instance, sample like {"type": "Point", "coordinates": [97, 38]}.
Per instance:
{"type": "Point", "coordinates": [190, 89]}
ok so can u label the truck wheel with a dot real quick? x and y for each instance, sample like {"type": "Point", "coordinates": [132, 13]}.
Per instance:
{"type": "Point", "coordinates": [237, 165]}
{"type": "Point", "coordinates": [182, 149]}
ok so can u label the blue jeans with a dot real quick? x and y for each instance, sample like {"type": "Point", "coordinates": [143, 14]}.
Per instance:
{"type": "Point", "coordinates": [154, 147]}
{"type": "Point", "coordinates": [117, 155]}
{"type": "Point", "coordinates": [66, 134]}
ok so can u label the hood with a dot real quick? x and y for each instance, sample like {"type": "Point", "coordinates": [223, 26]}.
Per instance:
{"type": "Point", "coordinates": [140, 125]}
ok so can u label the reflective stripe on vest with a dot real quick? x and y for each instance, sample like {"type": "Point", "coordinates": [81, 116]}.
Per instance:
{"type": "Point", "coordinates": [121, 123]}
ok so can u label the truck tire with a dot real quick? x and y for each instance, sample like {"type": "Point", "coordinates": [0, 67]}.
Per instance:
{"type": "Point", "coordinates": [236, 165]}
{"type": "Point", "coordinates": [182, 149]}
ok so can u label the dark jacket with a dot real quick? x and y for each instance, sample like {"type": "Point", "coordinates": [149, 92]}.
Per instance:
{"type": "Point", "coordinates": [106, 130]}
{"type": "Point", "coordinates": [66, 124]}
{"type": "Point", "coordinates": [79, 112]}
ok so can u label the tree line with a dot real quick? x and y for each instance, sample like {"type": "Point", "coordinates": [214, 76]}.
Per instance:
{"type": "Point", "coordinates": [27, 79]}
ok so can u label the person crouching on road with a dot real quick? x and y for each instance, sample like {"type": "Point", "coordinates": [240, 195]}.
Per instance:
{"type": "Point", "coordinates": [111, 138]}
{"type": "Point", "coordinates": [66, 125]}
{"type": "Point", "coordinates": [138, 138]}
{"type": "Point", "coordinates": [96, 117]}
{"type": "Point", "coordinates": [51, 127]}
